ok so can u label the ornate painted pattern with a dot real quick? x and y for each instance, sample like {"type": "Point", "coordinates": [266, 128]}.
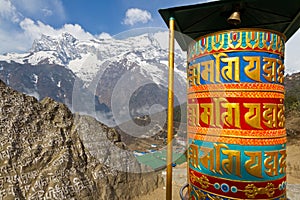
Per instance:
{"type": "Point", "coordinates": [235, 189]}
{"type": "Point", "coordinates": [236, 67]}
{"type": "Point", "coordinates": [238, 94]}
{"type": "Point", "coordinates": [235, 116]}
{"type": "Point", "coordinates": [239, 141]}
{"type": "Point", "coordinates": [237, 133]}
{"type": "Point", "coordinates": [238, 40]}
{"type": "Point", "coordinates": [236, 163]}
{"type": "Point", "coordinates": [241, 87]}
{"type": "Point", "coordinates": [236, 113]}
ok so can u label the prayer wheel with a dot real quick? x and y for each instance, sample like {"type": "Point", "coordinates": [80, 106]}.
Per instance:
{"type": "Point", "coordinates": [235, 115]}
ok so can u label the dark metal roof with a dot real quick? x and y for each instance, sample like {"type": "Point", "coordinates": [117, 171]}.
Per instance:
{"type": "Point", "coordinates": [194, 21]}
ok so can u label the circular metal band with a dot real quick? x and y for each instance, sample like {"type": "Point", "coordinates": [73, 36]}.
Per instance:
{"type": "Point", "coordinates": [241, 87]}
{"type": "Point", "coordinates": [240, 141]}
{"type": "Point", "coordinates": [237, 133]}
{"type": "Point", "coordinates": [236, 95]}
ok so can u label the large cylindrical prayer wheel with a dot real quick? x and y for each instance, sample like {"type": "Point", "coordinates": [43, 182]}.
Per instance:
{"type": "Point", "coordinates": [236, 135]}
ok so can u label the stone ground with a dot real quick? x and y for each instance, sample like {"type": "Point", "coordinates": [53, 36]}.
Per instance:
{"type": "Point", "coordinates": [179, 179]}
{"type": "Point", "coordinates": [293, 177]}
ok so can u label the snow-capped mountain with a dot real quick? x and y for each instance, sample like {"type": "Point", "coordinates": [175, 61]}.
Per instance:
{"type": "Point", "coordinates": [100, 64]}
{"type": "Point", "coordinates": [85, 58]}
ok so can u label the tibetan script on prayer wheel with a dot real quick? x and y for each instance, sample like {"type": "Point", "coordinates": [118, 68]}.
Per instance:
{"type": "Point", "coordinates": [235, 116]}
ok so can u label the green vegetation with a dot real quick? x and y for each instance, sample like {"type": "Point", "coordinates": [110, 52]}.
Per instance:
{"type": "Point", "coordinates": [157, 160]}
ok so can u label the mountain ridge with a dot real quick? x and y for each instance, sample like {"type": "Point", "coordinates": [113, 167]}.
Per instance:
{"type": "Point", "coordinates": [95, 67]}
{"type": "Point", "coordinates": [102, 69]}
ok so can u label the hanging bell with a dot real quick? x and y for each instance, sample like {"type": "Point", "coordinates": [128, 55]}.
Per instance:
{"type": "Point", "coordinates": [234, 18]}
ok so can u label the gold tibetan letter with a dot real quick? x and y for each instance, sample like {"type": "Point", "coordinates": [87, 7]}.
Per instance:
{"type": "Point", "coordinates": [281, 117]}
{"type": "Point", "coordinates": [270, 115]}
{"type": "Point", "coordinates": [270, 69]}
{"type": "Point", "coordinates": [208, 157]}
{"type": "Point", "coordinates": [194, 156]}
{"type": "Point", "coordinates": [218, 148]}
{"type": "Point", "coordinates": [227, 71]}
{"type": "Point", "coordinates": [252, 117]}
{"type": "Point", "coordinates": [218, 65]}
{"type": "Point", "coordinates": [271, 163]}
{"type": "Point", "coordinates": [280, 72]}
{"type": "Point", "coordinates": [193, 114]}
{"type": "Point", "coordinates": [208, 71]}
{"type": "Point", "coordinates": [252, 70]}
{"type": "Point", "coordinates": [282, 162]}
{"type": "Point", "coordinates": [234, 156]}
{"type": "Point", "coordinates": [217, 102]}
{"type": "Point", "coordinates": [233, 110]}
{"type": "Point", "coordinates": [207, 116]}
{"type": "Point", "coordinates": [254, 165]}
{"type": "Point", "coordinates": [194, 75]}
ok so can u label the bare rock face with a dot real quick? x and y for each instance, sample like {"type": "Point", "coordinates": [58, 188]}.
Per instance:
{"type": "Point", "coordinates": [105, 145]}
{"type": "Point", "coordinates": [43, 156]}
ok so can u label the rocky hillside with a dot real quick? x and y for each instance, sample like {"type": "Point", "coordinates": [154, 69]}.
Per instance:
{"type": "Point", "coordinates": [47, 80]}
{"type": "Point", "coordinates": [47, 153]}
{"type": "Point", "coordinates": [292, 104]}
{"type": "Point", "coordinates": [292, 87]}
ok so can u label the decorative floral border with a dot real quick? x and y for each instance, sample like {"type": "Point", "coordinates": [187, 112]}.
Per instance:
{"type": "Point", "coordinates": [238, 40]}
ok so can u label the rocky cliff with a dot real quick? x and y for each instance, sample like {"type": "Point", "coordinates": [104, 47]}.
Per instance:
{"type": "Point", "coordinates": [292, 105]}
{"type": "Point", "coordinates": [45, 154]}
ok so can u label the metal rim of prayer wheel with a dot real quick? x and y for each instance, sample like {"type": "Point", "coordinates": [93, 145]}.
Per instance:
{"type": "Point", "coordinates": [181, 192]}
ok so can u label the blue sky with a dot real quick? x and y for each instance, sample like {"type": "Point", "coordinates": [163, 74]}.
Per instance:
{"type": "Point", "coordinates": [94, 16]}
{"type": "Point", "coordinates": [98, 16]}
{"type": "Point", "coordinates": [22, 21]}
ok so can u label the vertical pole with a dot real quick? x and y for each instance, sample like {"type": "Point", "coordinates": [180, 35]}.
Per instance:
{"type": "Point", "coordinates": [170, 109]}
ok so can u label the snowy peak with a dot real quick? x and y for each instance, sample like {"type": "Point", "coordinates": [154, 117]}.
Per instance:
{"type": "Point", "coordinates": [45, 43]}
{"type": "Point", "coordinates": [145, 40]}
{"type": "Point", "coordinates": [100, 65]}
{"type": "Point", "coordinates": [86, 57]}
{"type": "Point", "coordinates": [48, 43]}
{"type": "Point", "coordinates": [64, 46]}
